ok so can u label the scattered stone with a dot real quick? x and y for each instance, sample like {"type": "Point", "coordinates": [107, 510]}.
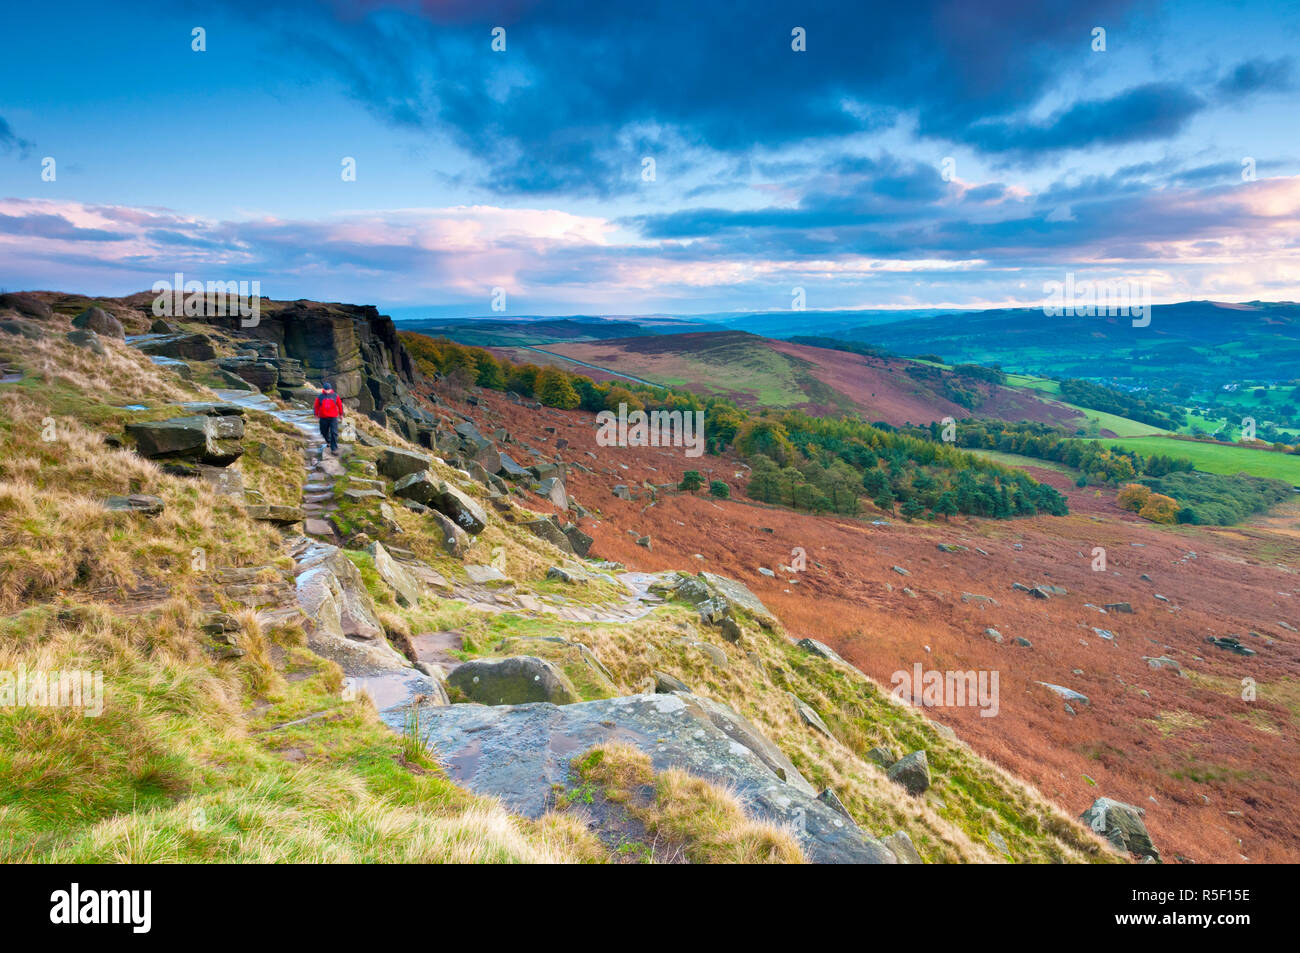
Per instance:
{"type": "Point", "coordinates": [1069, 694]}
{"type": "Point", "coordinates": [1231, 644]}
{"type": "Point", "coordinates": [993, 635]}
{"type": "Point", "coordinates": [731, 630]}
{"type": "Point", "coordinates": [999, 843]}
{"type": "Point", "coordinates": [1121, 607]}
{"type": "Point", "coordinates": [278, 513]}
{"type": "Point", "coordinates": [565, 575]}
{"type": "Point", "coordinates": [136, 503]}
{"type": "Point", "coordinates": [644, 541]}
{"type": "Point", "coordinates": [579, 541]}
{"type": "Point", "coordinates": [820, 649]}
{"type": "Point", "coordinates": [440, 495]}
{"type": "Point", "coordinates": [809, 717]}
{"type": "Point", "coordinates": [486, 575]}
{"type": "Point", "coordinates": [714, 654]}
{"type": "Point", "coordinates": [1162, 661]}
{"type": "Point", "coordinates": [901, 571]}
{"type": "Point", "coordinates": [1024, 642]}
{"type": "Point", "coordinates": [902, 847]}
{"type": "Point", "coordinates": [666, 684]}
{"type": "Point", "coordinates": [549, 531]}
{"type": "Point", "coordinates": [882, 756]}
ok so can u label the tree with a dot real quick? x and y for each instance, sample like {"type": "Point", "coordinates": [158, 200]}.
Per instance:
{"type": "Point", "coordinates": [719, 489]}
{"type": "Point", "coordinates": [692, 480]}
{"type": "Point", "coordinates": [1133, 496]}
{"type": "Point", "coordinates": [621, 395]}
{"type": "Point", "coordinates": [766, 437]}
{"type": "Point", "coordinates": [554, 389]}
{"type": "Point", "coordinates": [490, 374]}
{"type": "Point", "coordinates": [1160, 509]}
{"type": "Point", "coordinates": [911, 509]}
{"type": "Point", "coordinates": [764, 481]}
{"type": "Point", "coordinates": [946, 504]}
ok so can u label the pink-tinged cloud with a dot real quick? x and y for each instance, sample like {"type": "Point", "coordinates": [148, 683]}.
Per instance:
{"type": "Point", "coordinates": [1229, 242]}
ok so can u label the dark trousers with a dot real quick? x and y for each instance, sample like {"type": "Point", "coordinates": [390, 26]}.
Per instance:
{"type": "Point", "coordinates": [329, 429]}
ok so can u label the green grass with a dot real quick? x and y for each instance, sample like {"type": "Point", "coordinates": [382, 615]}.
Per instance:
{"type": "Point", "coordinates": [1043, 385]}
{"type": "Point", "coordinates": [1017, 460]}
{"type": "Point", "coordinates": [1122, 426]}
{"type": "Point", "coordinates": [1218, 458]}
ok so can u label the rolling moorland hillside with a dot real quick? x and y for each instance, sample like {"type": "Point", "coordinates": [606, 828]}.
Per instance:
{"type": "Point", "coordinates": [418, 650]}
{"type": "Point", "coordinates": [765, 372]}
{"type": "Point", "coordinates": [888, 592]}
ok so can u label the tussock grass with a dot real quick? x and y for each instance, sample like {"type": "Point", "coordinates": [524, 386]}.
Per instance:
{"type": "Point", "coordinates": [969, 799]}
{"type": "Point", "coordinates": [681, 813]}
{"type": "Point", "coordinates": [194, 758]}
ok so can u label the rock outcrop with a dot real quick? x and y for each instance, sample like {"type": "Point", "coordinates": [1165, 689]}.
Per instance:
{"type": "Point", "coordinates": [518, 752]}
{"type": "Point", "coordinates": [1122, 825]}
{"type": "Point", "coordinates": [214, 436]}
{"type": "Point", "coordinates": [516, 680]}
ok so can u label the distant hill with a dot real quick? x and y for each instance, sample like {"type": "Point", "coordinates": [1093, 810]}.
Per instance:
{"type": "Point", "coordinates": [762, 372]}
{"type": "Point", "coordinates": [539, 331]}
{"type": "Point", "coordinates": [1200, 343]}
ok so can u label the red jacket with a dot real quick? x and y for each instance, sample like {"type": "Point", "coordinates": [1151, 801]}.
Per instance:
{"type": "Point", "coordinates": [331, 406]}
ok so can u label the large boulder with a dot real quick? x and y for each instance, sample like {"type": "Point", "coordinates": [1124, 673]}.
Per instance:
{"type": "Point", "coordinates": [182, 347]}
{"type": "Point", "coordinates": [516, 680]}
{"type": "Point", "coordinates": [552, 488]}
{"type": "Point", "coordinates": [454, 539]}
{"type": "Point", "coordinates": [396, 463]}
{"type": "Point", "coordinates": [401, 580]}
{"type": "Point", "coordinates": [333, 595]}
{"type": "Point", "coordinates": [1122, 825]}
{"type": "Point", "coordinates": [548, 531]}
{"type": "Point", "coordinates": [84, 337]}
{"type": "Point", "coordinates": [738, 596]}
{"type": "Point", "coordinates": [26, 305]}
{"type": "Point", "coordinates": [579, 541]}
{"type": "Point", "coordinates": [99, 321]}
{"type": "Point", "coordinates": [206, 438]}
{"type": "Point", "coordinates": [278, 513]}
{"type": "Point", "coordinates": [519, 753]}
{"type": "Point", "coordinates": [912, 772]}
{"type": "Point", "coordinates": [425, 488]}
{"type": "Point", "coordinates": [511, 469]}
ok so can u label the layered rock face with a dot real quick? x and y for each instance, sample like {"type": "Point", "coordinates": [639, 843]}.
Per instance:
{"type": "Point", "coordinates": [353, 347]}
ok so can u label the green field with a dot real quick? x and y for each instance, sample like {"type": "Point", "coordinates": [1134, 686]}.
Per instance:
{"type": "Point", "coordinates": [1016, 460]}
{"type": "Point", "coordinates": [1121, 426]}
{"type": "Point", "coordinates": [1217, 458]}
{"type": "Point", "coordinates": [1029, 382]}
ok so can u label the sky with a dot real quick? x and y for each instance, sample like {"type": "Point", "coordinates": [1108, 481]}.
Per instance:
{"type": "Point", "coordinates": [678, 157]}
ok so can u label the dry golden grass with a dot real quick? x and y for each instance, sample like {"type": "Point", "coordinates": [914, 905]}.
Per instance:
{"type": "Point", "coordinates": [683, 813]}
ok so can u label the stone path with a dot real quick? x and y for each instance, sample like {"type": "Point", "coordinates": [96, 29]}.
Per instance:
{"type": "Point", "coordinates": [322, 468]}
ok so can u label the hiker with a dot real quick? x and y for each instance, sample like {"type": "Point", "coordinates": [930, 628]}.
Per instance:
{"type": "Point", "coordinates": [329, 408]}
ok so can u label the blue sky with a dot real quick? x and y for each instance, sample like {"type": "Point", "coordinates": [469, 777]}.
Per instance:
{"type": "Point", "coordinates": [913, 155]}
